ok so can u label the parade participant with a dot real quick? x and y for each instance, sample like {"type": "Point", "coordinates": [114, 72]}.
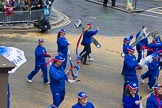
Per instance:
{"type": "Point", "coordinates": [153, 46]}
{"type": "Point", "coordinates": [126, 42]}
{"type": "Point", "coordinates": [155, 99]}
{"type": "Point", "coordinates": [140, 45]}
{"type": "Point", "coordinates": [152, 73]}
{"type": "Point", "coordinates": [131, 98]}
{"type": "Point", "coordinates": [40, 62]}
{"type": "Point", "coordinates": [57, 81]}
{"type": "Point", "coordinates": [62, 44]}
{"type": "Point", "coordinates": [130, 64]}
{"type": "Point", "coordinates": [86, 41]}
{"type": "Point", "coordinates": [83, 101]}
{"type": "Point", "coordinates": [43, 24]}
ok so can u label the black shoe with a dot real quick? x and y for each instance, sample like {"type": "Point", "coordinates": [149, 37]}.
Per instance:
{"type": "Point", "coordinates": [85, 64]}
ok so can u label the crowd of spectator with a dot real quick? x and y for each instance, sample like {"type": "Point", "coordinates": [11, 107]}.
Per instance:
{"type": "Point", "coordinates": [21, 5]}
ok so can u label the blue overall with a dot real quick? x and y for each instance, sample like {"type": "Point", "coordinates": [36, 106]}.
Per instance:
{"type": "Point", "coordinates": [129, 101]}
{"type": "Point", "coordinates": [63, 44]}
{"type": "Point", "coordinates": [152, 73]}
{"type": "Point", "coordinates": [125, 51]}
{"type": "Point", "coordinates": [57, 84]}
{"type": "Point", "coordinates": [139, 46]}
{"type": "Point", "coordinates": [88, 105]}
{"type": "Point", "coordinates": [130, 64]}
{"type": "Point", "coordinates": [152, 101]}
{"type": "Point", "coordinates": [40, 63]}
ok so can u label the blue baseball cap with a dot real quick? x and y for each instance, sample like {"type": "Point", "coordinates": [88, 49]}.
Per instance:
{"type": "Point", "coordinates": [156, 40]}
{"type": "Point", "coordinates": [40, 40]}
{"type": "Point", "coordinates": [126, 40]}
{"type": "Point", "coordinates": [59, 58]}
{"type": "Point", "coordinates": [133, 85]}
{"type": "Point", "coordinates": [82, 95]}
{"type": "Point", "coordinates": [157, 86]}
{"type": "Point", "coordinates": [62, 31]}
{"type": "Point", "coordinates": [130, 48]}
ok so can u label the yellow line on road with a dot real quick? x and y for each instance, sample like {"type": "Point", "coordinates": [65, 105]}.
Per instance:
{"type": "Point", "coordinates": [153, 10]}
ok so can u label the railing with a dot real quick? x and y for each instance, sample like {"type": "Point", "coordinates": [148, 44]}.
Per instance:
{"type": "Point", "coordinates": [25, 16]}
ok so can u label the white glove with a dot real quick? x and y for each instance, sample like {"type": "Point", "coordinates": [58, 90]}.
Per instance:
{"type": "Point", "coordinates": [71, 81]}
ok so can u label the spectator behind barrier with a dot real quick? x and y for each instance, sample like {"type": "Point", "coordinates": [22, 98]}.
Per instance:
{"type": "Point", "coordinates": [36, 4]}
{"type": "Point", "coordinates": [19, 5]}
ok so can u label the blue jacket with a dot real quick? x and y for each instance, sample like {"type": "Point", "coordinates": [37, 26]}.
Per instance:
{"type": "Point", "coordinates": [40, 54]}
{"type": "Point", "coordinates": [87, 37]}
{"type": "Point", "coordinates": [78, 105]}
{"type": "Point", "coordinates": [153, 67]}
{"type": "Point", "coordinates": [62, 44]}
{"type": "Point", "coordinates": [154, 47]}
{"type": "Point", "coordinates": [152, 102]}
{"type": "Point", "coordinates": [142, 42]}
{"type": "Point", "coordinates": [130, 64]}
{"type": "Point", "coordinates": [57, 78]}
{"type": "Point", "coordinates": [129, 102]}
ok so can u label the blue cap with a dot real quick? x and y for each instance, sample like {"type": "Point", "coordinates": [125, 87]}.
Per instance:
{"type": "Point", "coordinates": [62, 31]}
{"type": "Point", "coordinates": [157, 86]}
{"type": "Point", "coordinates": [59, 58]}
{"type": "Point", "coordinates": [82, 95]}
{"type": "Point", "coordinates": [156, 40]}
{"type": "Point", "coordinates": [130, 48]}
{"type": "Point", "coordinates": [133, 85]}
{"type": "Point", "coordinates": [126, 39]}
{"type": "Point", "coordinates": [89, 23]}
{"type": "Point", "coordinates": [40, 40]}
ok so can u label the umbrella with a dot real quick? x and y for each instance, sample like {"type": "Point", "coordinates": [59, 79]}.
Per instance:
{"type": "Point", "coordinates": [14, 55]}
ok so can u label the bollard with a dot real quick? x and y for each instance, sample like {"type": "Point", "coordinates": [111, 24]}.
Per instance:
{"type": "Point", "coordinates": [129, 6]}
{"type": "Point", "coordinates": [5, 66]}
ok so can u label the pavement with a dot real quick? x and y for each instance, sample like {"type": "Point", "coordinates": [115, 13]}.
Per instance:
{"type": "Point", "coordinates": [118, 6]}
{"type": "Point", "coordinates": [58, 19]}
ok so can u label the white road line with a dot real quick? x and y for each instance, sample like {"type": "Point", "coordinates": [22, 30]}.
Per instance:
{"type": "Point", "coordinates": [155, 10]}
{"type": "Point", "coordinates": [148, 15]}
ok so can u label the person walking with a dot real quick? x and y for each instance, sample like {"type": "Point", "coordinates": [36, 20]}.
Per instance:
{"type": "Point", "coordinates": [155, 98]}
{"type": "Point", "coordinates": [152, 73]}
{"type": "Point", "coordinates": [130, 64]}
{"type": "Point", "coordinates": [83, 101]}
{"type": "Point", "coordinates": [131, 98]}
{"type": "Point", "coordinates": [140, 45]}
{"type": "Point", "coordinates": [57, 81]}
{"type": "Point", "coordinates": [40, 62]}
{"type": "Point", "coordinates": [126, 42]}
{"type": "Point", "coordinates": [62, 44]}
{"type": "Point", "coordinates": [86, 42]}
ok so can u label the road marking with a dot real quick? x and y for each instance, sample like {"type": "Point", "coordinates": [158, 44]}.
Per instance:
{"type": "Point", "coordinates": [157, 10]}
{"type": "Point", "coordinates": [148, 15]}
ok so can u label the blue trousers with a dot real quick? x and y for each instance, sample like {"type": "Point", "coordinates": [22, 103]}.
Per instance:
{"type": "Point", "coordinates": [151, 78]}
{"type": "Point", "coordinates": [43, 67]}
{"type": "Point", "coordinates": [58, 97]}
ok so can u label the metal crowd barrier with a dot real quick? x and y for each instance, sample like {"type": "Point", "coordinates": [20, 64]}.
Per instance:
{"type": "Point", "coordinates": [22, 16]}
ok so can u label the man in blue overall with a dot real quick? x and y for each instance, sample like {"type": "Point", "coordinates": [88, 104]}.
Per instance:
{"type": "Point", "coordinates": [40, 62]}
